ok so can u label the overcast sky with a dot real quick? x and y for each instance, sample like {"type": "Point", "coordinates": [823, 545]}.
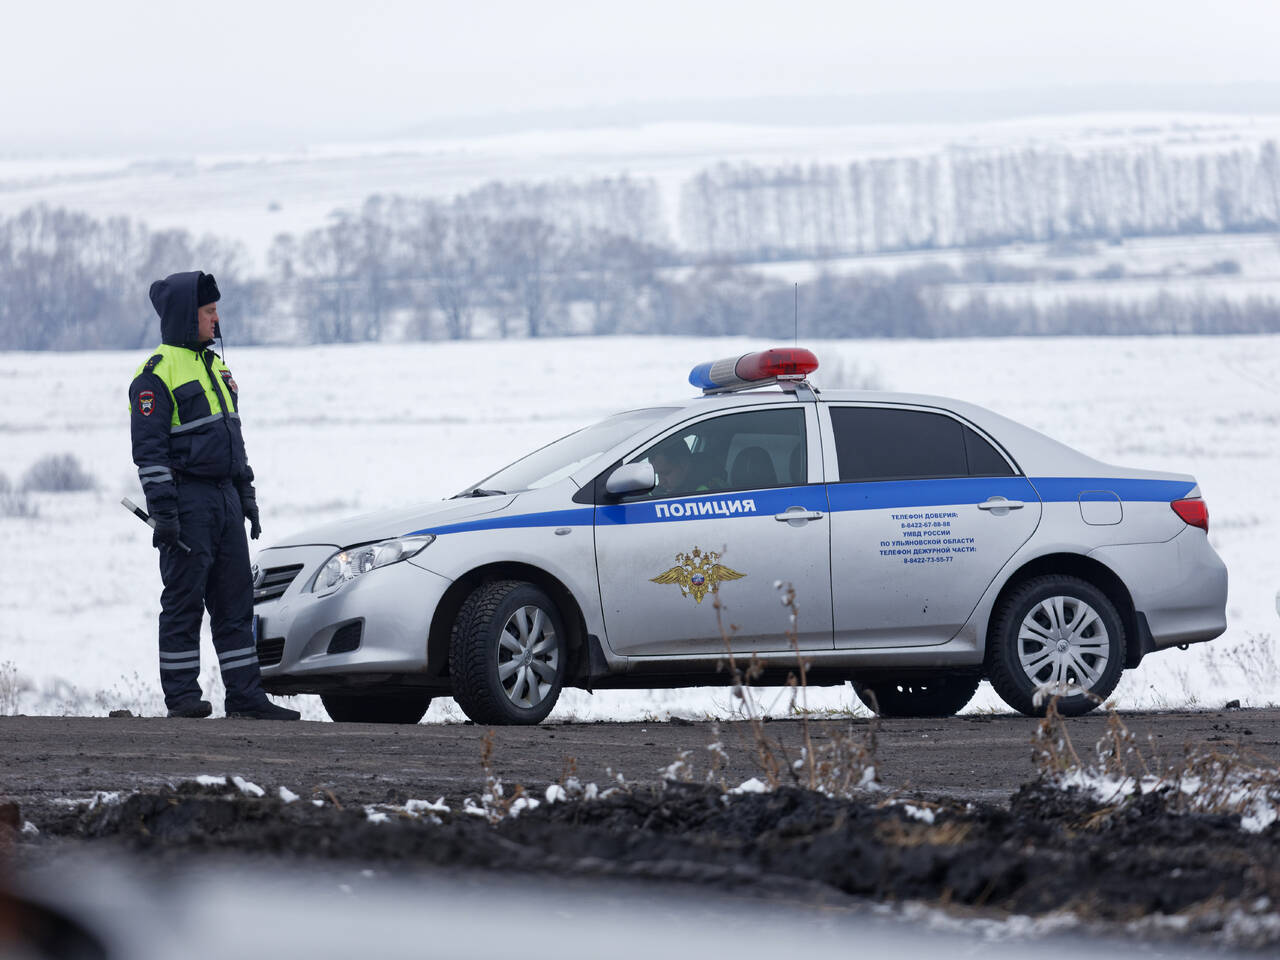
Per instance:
{"type": "Point", "coordinates": [184, 77]}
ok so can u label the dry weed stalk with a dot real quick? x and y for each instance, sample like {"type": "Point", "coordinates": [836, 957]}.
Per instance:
{"type": "Point", "coordinates": [10, 687]}
{"type": "Point", "coordinates": [494, 802]}
{"type": "Point", "coordinates": [839, 768]}
{"type": "Point", "coordinates": [766, 754]}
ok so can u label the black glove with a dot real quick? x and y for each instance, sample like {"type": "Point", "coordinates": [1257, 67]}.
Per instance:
{"type": "Point", "coordinates": [166, 531]}
{"type": "Point", "coordinates": [250, 507]}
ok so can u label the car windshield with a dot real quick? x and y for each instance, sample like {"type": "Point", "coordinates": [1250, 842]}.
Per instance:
{"type": "Point", "coordinates": [562, 457]}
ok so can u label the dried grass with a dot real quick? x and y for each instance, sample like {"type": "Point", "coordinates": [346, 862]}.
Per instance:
{"type": "Point", "coordinates": [58, 473]}
{"type": "Point", "coordinates": [1231, 781]}
{"type": "Point", "coordinates": [11, 686]}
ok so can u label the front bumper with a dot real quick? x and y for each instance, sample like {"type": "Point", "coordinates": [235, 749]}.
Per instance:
{"type": "Point", "coordinates": [393, 605]}
{"type": "Point", "coordinates": [1180, 585]}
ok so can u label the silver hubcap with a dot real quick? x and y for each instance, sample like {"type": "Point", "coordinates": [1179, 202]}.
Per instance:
{"type": "Point", "coordinates": [1063, 641]}
{"type": "Point", "coordinates": [528, 656]}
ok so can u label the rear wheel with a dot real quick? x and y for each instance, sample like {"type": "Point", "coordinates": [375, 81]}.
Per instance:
{"type": "Point", "coordinates": [376, 707]}
{"type": "Point", "coordinates": [933, 697]}
{"type": "Point", "coordinates": [1060, 635]}
{"type": "Point", "coordinates": [507, 655]}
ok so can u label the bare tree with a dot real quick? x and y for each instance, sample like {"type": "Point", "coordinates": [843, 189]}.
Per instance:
{"type": "Point", "coordinates": [448, 246]}
{"type": "Point", "coordinates": [525, 255]}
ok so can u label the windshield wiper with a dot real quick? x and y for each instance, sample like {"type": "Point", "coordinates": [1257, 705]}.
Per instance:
{"type": "Point", "coordinates": [481, 492]}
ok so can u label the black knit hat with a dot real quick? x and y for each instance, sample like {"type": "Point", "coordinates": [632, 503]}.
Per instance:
{"type": "Point", "coordinates": [207, 290]}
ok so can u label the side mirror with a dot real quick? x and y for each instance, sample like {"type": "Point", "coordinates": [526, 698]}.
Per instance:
{"type": "Point", "coordinates": [631, 478]}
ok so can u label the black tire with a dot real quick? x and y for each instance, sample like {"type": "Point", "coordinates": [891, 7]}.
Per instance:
{"type": "Point", "coordinates": [1005, 669]}
{"type": "Point", "coordinates": [477, 655]}
{"type": "Point", "coordinates": [376, 707]}
{"type": "Point", "coordinates": [926, 697]}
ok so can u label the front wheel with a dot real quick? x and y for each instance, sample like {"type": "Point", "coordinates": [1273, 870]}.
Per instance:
{"type": "Point", "coordinates": [375, 707]}
{"type": "Point", "coordinates": [1056, 636]}
{"type": "Point", "coordinates": [933, 697]}
{"type": "Point", "coordinates": [508, 654]}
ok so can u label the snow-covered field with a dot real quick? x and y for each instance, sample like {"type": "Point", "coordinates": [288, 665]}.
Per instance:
{"type": "Point", "coordinates": [333, 431]}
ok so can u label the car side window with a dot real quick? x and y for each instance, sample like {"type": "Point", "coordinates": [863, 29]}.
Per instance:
{"type": "Point", "coordinates": [739, 451]}
{"type": "Point", "coordinates": [877, 443]}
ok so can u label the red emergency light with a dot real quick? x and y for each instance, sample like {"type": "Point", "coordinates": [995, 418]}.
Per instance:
{"type": "Point", "coordinates": [753, 369]}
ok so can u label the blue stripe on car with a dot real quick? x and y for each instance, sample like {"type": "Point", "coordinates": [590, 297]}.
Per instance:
{"type": "Point", "coordinates": [836, 497]}
{"type": "Point", "coordinates": [889, 494]}
{"type": "Point", "coordinates": [750, 503]}
{"type": "Point", "coordinates": [1061, 489]}
{"type": "Point", "coordinates": [553, 518]}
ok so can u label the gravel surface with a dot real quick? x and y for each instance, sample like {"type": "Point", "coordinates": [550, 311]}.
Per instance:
{"type": "Point", "coordinates": [983, 758]}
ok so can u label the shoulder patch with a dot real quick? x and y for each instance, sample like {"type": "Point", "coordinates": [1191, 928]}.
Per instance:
{"type": "Point", "coordinates": [150, 365]}
{"type": "Point", "coordinates": [229, 380]}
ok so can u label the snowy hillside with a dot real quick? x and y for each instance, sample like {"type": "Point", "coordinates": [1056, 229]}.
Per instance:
{"type": "Point", "coordinates": [253, 197]}
{"type": "Point", "coordinates": [333, 431]}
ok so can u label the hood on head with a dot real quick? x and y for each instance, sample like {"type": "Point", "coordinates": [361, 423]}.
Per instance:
{"type": "Point", "coordinates": [174, 298]}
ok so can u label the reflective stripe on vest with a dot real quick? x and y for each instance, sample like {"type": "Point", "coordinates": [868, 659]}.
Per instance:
{"type": "Point", "coordinates": [181, 366]}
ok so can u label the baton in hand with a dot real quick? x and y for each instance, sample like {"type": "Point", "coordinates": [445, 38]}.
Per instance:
{"type": "Point", "coordinates": [146, 518]}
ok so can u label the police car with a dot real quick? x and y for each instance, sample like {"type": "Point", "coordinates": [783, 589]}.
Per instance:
{"type": "Point", "coordinates": [930, 544]}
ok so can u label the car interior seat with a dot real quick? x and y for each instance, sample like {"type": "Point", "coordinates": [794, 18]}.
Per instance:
{"type": "Point", "coordinates": [796, 466]}
{"type": "Point", "coordinates": [753, 467]}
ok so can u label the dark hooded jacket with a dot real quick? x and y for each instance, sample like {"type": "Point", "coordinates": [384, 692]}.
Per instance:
{"type": "Point", "coordinates": [184, 405]}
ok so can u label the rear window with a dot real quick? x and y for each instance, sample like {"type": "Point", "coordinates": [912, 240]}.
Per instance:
{"type": "Point", "coordinates": [875, 443]}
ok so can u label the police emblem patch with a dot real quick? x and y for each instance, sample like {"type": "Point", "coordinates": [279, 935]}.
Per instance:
{"type": "Point", "coordinates": [697, 573]}
{"type": "Point", "coordinates": [229, 381]}
{"type": "Point", "coordinates": [146, 402]}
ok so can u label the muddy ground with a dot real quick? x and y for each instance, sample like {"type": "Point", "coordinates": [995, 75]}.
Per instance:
{"type": "Point", "coordinates": [961, 820]}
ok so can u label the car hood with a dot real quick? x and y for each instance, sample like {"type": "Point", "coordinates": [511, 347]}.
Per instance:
{"type": "Point", "coordinates": [385, 524]}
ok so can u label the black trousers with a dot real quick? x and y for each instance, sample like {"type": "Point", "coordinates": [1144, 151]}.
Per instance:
{"type": "Point", "coordinates": [214, 575]}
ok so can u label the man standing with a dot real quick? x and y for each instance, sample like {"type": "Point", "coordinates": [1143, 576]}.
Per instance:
{"type": "Point", "coordinates": [185, 421]}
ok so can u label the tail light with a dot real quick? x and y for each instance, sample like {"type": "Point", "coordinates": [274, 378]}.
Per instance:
{"type": "Point", "coordinates": [1194, 512]}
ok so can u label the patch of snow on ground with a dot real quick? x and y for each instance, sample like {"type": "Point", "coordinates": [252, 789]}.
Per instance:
{"type": "Point", "coordinates": [248, 788]}
{"type": "Point", "coordinates": [923, 814]}
{"type": "Point", "coordinates": [1258, 803]}
{"type": "Point", "coordinates": [417, 807]}
{"type": "Point", "coordinates": [522, 804]}
{"type": "Point", "coordinates": [556, 794]}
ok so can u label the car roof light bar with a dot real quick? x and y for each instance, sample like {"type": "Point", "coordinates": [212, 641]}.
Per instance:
{"type": "Point", "coordinates": [754, 370]}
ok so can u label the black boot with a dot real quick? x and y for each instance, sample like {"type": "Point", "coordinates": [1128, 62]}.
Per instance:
{"type": "Point", "coordinates": [265, 710]}
{"type": "Point", "coordinates": [195, 710]}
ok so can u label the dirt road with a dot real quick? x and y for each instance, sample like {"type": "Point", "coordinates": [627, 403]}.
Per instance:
{"type": "Point", "coordinates": [965, 826]}
{"type": "Point", "coordinates": [972, 758]}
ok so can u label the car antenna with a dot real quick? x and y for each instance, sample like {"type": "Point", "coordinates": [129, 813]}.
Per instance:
{"type": "Point", "coordinates": [795, 330]}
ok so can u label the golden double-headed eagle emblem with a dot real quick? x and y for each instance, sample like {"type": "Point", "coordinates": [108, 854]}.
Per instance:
{"type": "Point", "coordinates": [697, 573]}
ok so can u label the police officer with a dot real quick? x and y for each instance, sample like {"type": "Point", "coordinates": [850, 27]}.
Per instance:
{"type": "Point", "coordinates": [185, 422]}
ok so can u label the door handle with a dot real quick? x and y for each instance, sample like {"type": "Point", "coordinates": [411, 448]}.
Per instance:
{"type": "Point", "coordinates": [1000, 503]}
{"type": "Point", "coordinates": [797, 515]}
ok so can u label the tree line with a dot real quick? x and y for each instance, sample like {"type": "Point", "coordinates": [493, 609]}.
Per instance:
{"type": "Point", "coordinates": [963, 198]}
{"type": "Point", "coordinates": [531, 260]}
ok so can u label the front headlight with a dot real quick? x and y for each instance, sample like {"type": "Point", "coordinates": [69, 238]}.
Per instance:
{"type": "Point", "coordinates": [356, 561]}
